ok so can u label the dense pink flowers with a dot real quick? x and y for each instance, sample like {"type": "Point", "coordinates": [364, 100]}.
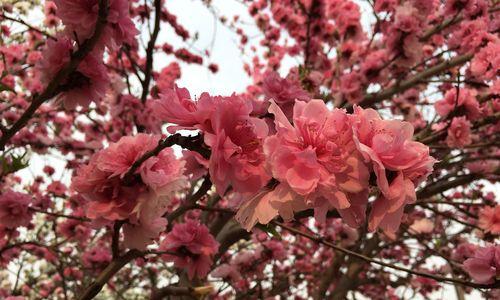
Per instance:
{"type": "Point", "coordinates": [80, 16]}
{"type": "Point", "coordinates": [459, 133]}
{"type": "Point", "coordinates": [193, 247]}
{"type": "Point", "coordinates": [466, 100]}
{"type": "Point", "coordinates": [88, 83]}
{"type": "Point", "coordinates": [484, 266]}
{"type": "Point", "coordinates": [284, 91]}
{"type": "Point", "coordinates": [235, 137]}
{"type": "Point", "coordinates": [14, 209]}
{"type": "Point", "coordinates": [142, 201]}
{"type": "Point", "coordinates": [323, 161]}
{"type": "Point", "coordinates": [317, 158]}
{"type": "Point", "coordinates": [489, 219]}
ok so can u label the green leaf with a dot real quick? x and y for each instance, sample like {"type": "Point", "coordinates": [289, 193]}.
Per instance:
{"type": "Point", "coordinates": [13, 163]}
{"type": "Point", "coordinates": [270, 229]}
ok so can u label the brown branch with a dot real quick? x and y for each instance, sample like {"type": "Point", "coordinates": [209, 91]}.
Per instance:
{"type": "Point", "coordinates": [115, 240]}
{"type": "Point", "coordinates": [189, 142]}
{"type": "Point", "coordinates": [320, 240]}
{"type": "Point", "coordinates": [54, 87]}
{"type": "Point", "coordinates": [440, 187]}
{"type": "Point", "coordinates": [150, 50]}
{"type": "Point", "coordinates": [58, 215]}
{"type": "Point", "coordinates": [116, 264]}
{"type": "Point", "coordinates": [31, 27]}
{"type": "Point", "coordinates": [370, 99]}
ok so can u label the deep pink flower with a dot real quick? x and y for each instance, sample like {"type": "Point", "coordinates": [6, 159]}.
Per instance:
{"type": "Point", "coordinates": [100, 184]}
{"type": "Point", "coordinates": [398, 162]}
{"type": "Point", "coordinates": [489, 219]}
{"type": "Point", "coordinates": [80, 16]}
{"type": "Point", "coordinates": [486, 62]}
{"type": "Point", "coordinates": [14, 209]}
{"type": "Point", "coordinates": [284, 91]}
{"type": "Point", "coordinates": [96, 258]}
{"type": "Point", "coordinates": [176, 106]}
{"type": "Point", "coordinates": [88, 83]}
{"type": "Point", "coordinates": [351, 87]}
{"type": "Point", "coordinates": [484, 266]}
{"type": "Point", "coordinates": [147, 221]}
{"type": "Point", "coordinates": [74, 229]}
{"type": "Point", "coordinates": [236, 139]}
{"type": "Point", "coordinates": [167, 77]}
{"type": "Point", "coordinates": [317, 165]}
{"type": "Point", "coordinates": [466, 99]}
{"type": "Point", "coordinates": [194, 248]}
{"type": "Point", "coordinates": [459, 133]}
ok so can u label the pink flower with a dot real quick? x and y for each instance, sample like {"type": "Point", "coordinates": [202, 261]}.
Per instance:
{"type": "Point", "coordinates": [486, 62]}
{"type": "Point", "coordinates": [484, 266]}
{"type": "Point", "coordinates": [194, 248]}
{"type": "Point", "coordinates": [489, 219]}
{"type": "Point", "coordinates": [227, 271]}
{"type": "Point", "coordinates": [176, 106]}
{"type": "Point", "coordinates": [236, 139]}
{"type": "Point", "coordinates": [167, 77]}
{"type": "Point", "coordinates": [146, 223]}
{"type": "Point", "coordinates": [196, 165]}
{"type": "Point", "coordinates": [463, 252]}
{"type": "Point", "coordinates": [164, 173]}
{"type": "Point", "coordinates": [97, 258]}
{"type": "Point", "coordinates": [466, 100]}
{"type": "Point", "coordinates": [80, 16]}
{"type": "Point", "coordinates": [351, 87]}
{"type": "Point", "coordinates": [14, 209]}
{"type": "Point", "coordinates": [284, 91]}
{"type": "Point", "coordinates": [422, 226]}
{"type": "Point", "coordinates": [74, 229]}
{"type": "Point", "coordinates": [316, 163]}
{"type": "Point", "coordinates": [156, 179]}
{"type": "Point", "coordinates": [88, 83]}
{"type": "Point", "coordinates": [459, 133]}
{"type": "Point", "coordinates": [373, 66]}
{"type": "Point", "coordinates": [398, 163]}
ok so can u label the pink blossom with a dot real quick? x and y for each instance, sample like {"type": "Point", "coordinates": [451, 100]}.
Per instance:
{"type": "Point", "coordinates": [176, 106]}
{"type": "Point", "coordinates": [489, 219]}
{"type": "Point", "coordinates": [80, 16]}
{"type": "Point", "coordinates": [74, 229]}
{"type": "Point", "coordinates": [484, 266]}
{"type": "Point", "coordinates": [98, 257]}
{"type": "Point", "coordinates": [146, 223]}
{"type": "Point", "coordinates": [350, 87]}
{"type": "Point", "coordinates": [459, 133]}
{"type": "Point", "coordinates": [422, 226]}
{"type": "Point", "coordinates": [196, 165]}
{"type": "Point", "coordinates": [284, 91]}
{"type": "Point", "coordinates": [14, 209]}
{"type": "Point", "coordinates": [463, 252]}
{"type": "Point", "coordinates": [227, 271]}
{"type": "Point", "coordinates": [398, 163]}
{"type": "Point", "coordinates": [100, 181]}
{"type": "Point", "coordinates": [236, 140]}
{"type": "Point", "coordinates": [194, 248]}
{"type": "Point", "coordinates": [316, 163]}
{"type": "Point", "coordinates": [88, 83]}
{"type": "Point", "coordinates": [466, 99]}
{"type": "Point", "coordinates": [486, 62]}
{"type": "Point", "coordinates": [167, 77]}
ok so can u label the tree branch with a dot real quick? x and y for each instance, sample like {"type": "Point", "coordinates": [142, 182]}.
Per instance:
{"type": "Point", "coordinates": [54, 88]}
